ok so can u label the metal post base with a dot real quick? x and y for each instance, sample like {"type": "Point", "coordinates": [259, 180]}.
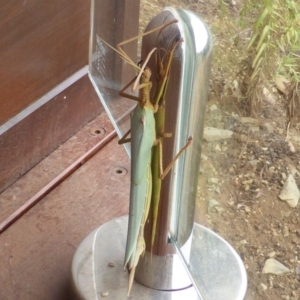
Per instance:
{"type": "Point", "coordinates": [97, 268]}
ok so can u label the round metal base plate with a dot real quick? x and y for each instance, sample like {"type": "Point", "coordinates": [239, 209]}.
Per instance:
{"type": "Point", "coordinates": [97, 267]}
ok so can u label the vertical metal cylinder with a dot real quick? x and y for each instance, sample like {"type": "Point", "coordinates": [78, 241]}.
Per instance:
{"type": "Point", "coordinates": [186, 98]}
{"type": "Point", "coordinates": [190, 122]}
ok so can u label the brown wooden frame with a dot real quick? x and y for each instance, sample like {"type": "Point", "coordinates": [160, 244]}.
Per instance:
{"type": "Point", "coordinates": [43, 43]}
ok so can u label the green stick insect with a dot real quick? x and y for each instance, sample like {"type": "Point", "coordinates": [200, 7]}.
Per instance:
{"type": "Point", "coordinates": [147, 126]}
{"type": "Point", "coordinates": [163, 70]}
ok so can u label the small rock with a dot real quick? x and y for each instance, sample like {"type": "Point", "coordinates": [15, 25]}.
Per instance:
{"type": "Point", "coordinates": [273, 266]}
{"type": "Point", "coordinates": [249, 181]}
{"type": "Point", "coordinates": [292, 169]}
{"type": "Point", "coordinates": [239, 206]}
{"type": "Point", "coordinates": [104, 294]}
{"type": "Point", "coordinates": [285, 231]}
{"type": "Point", "coordinates": [218, 148]}
{"type": "Point", "coordinates": [253, 164]}
{"type": "Point", "coordinates": [282, 84]}
{"type": "Point", "coordinates": [243, 242]}
{"type": "Point", "coordinates": [247, 209]}
{"type": "Point", "coordinates": [272, 254]}
{"type": "Point", "coordinates": [219, 209]}
{"type": "Point", "coordinates": [285, 297]}
{"type": "Point", "coordinates": [213, 180]}
{"type": "Point", "coordinates": [291, 146]}
{"type": "Point", "coordinates": [235, 82]}
{"type": "Point", "coordinates": [213, 107]}
{"type": "Point", "coordinates": [281, 131]}
{"type": "Point", "coordinates": [259, 193]}
{"type": "Point", "coordinates": [212, 203]}
{"type": "Point", "coordinates": [268, 96]}
{"type": "Point", "coordinates": [272, 169]}
{"type": "Point", "coordinates": [263, 286]}
{"type": "Point", "coordinates": [214, 134]}
{"type": "Point", "coordinates": [271, 282]}
{"type": "Point", "coordinates": [274, 232]}
{"type": "Point", "coordinates": [204, 157]}
{"type": "Point", "coordinates": [290, 192]}
{"type": "Point", "coordinates": [286, 214]}
{"type": "Point", "coordinates": [230, 202]}
{"type": "Point", "coordinates": [267, 127]}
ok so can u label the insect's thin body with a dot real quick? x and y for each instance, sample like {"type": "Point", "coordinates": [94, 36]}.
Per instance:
{"type": "Point", "coordinates": [143, 137]}
{"type": "Point", "coordinates": [142, 140]}
{"type": "Point", "coordinates": [158, 174]}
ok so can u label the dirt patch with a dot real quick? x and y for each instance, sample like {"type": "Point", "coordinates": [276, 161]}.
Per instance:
{"type": "Point", "coordinates": [243, 177]}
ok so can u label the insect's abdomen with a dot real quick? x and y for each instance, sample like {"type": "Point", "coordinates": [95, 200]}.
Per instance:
{"type": "Point", "coordinates": [142, 140]}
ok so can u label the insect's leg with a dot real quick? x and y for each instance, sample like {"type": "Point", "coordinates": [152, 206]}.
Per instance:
{"type": "Point", "coordinates": [125, 95]}
{"type": "Point", "coordinates": [140, 247]}
{"type": "Point", "coordinates": [139, 251]}
{"type": "Point", "coordinates": [122, 53]}
{"type": "Point", "coordinates": [167, 170]}
{"type": "Point", "coordinates": [123, 139]}
{"type": "Point", "coordinates": [164, 75]}
{"type": "Point", "coordinates": [137, 80]}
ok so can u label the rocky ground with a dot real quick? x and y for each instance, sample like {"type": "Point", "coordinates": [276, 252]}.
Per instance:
{"type": "Point", "coordinates": [246, 167]}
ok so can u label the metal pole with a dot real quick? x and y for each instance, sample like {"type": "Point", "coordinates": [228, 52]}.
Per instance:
{"type": "Point", "coordinates": [185, 106]}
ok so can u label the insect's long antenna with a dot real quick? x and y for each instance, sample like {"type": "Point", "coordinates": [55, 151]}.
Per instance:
{"type": "Point", "coordinates": [148, 32]}
{"type": "Point", "coordinates": [125, 57]}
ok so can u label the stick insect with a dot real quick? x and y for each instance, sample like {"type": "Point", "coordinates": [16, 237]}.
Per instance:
{"type": "Point", "coordinates": [147, 126]}
{"type": "Point", "coordinates": [163, 70]}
